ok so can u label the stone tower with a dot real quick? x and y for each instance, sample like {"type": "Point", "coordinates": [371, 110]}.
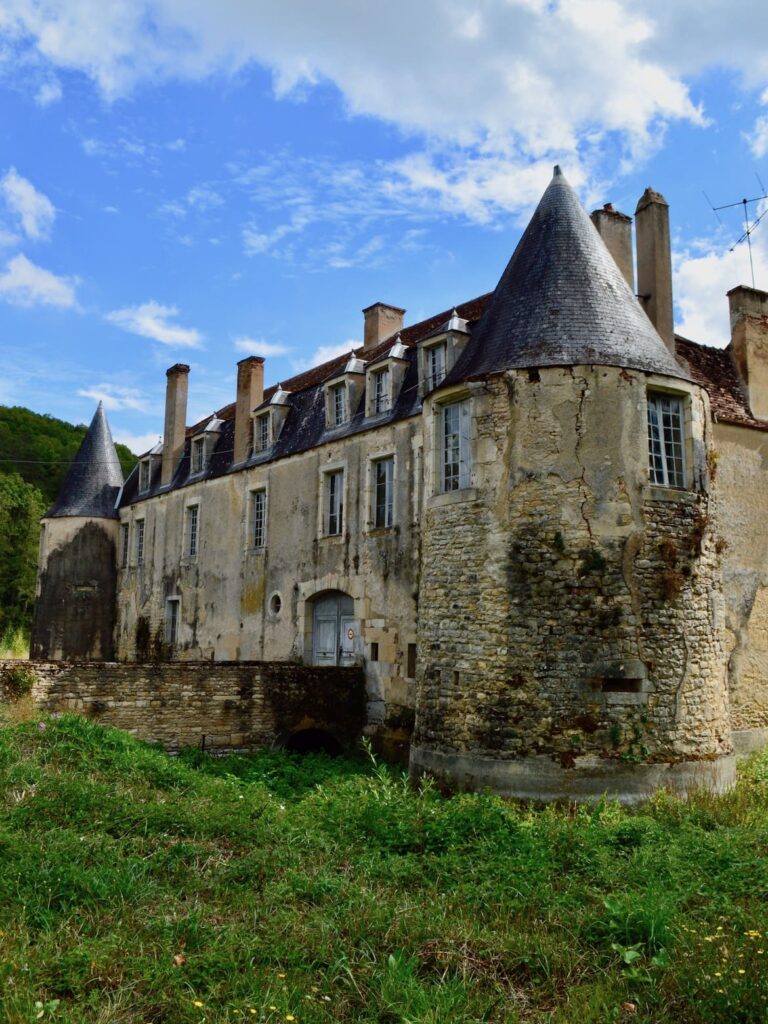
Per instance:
{"type": "Point", "coordinates": [75, 609]}
{"type": "Point", "coordinates": [570, 613]}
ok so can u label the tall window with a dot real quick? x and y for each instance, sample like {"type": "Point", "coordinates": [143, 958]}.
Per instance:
{"type": "Point", "coordinates": [381, 391]}
{"type": "Point", "coordinates": [435, 365]}
{"type": "Point", "coordinates": [383, 473]}
{"type": "Point", "coordinates": [139, 542]}
{"type": "Point", "coordinates": [456, 464]}
{"type": "Point", "coordinates": [193, 519]}
{"type": "Point", "coordinates": [172, 621]}
{"type": "Point", "coordinates": [262, 432]}
{"type": "Point", "coordinates": [259, 518]}
{"type": "Point", "coordinates": [124, 536]}
{"type": "Point", "coordinates": [334, 502]}
{"type": "Point", "coordinates": [339, 405]}
{"type": "Point", "coordinates": [144, 475]}
{"type": "Point", "coordinates": [198, 455]}
{"type": "Point", "coordinates": [666, 450]}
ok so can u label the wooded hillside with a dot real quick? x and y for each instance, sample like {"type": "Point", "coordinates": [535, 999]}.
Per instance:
{"type": "Point", "coordinates": [35, 453]}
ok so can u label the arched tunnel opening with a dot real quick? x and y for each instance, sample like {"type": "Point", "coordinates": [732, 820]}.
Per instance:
{"type": "Point", "coordinates": [313, 741]}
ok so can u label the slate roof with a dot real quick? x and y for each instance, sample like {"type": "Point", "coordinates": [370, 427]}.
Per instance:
{"type": "Point", "coordinates": [714, 369]}
{"type": "Point", "coordinates": [94, 479]}
{"type": "Point", "coordinates": [562, 301]}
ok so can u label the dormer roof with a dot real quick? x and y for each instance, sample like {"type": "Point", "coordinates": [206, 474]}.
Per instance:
{"type": "Point", "coordinates": [453, 323]}
{"type": "Point", "coordinates": [562, 301]}
{"type": "Point", "coordinates": [94, 479]}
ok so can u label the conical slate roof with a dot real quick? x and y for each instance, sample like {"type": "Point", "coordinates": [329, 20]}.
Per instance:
{"type": "Point", "coordinates": [562, 301]}
{"type": "Point", "coordinates": [94, 479]}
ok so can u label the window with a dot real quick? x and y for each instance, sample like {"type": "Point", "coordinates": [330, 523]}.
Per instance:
{"type": "Point", "coordinates": [381, 391]}
{"type": "Point", "coordinates": [172, 621]}
{"type": "Point", "coordinates": [666, 453]}
{"type": "Point", "coordinates": [383, 473]}
{"type": "Point", "coordinates": [139, 542]}
{"type": "Point", "coordinates": [124, 536]}
{"type": "Point", "coordinates": [435, 365]}
{"type": "Point", "coordinates": [455, 469]}
{"type": "Point", "coordinates": [261, 436]}
{"type": "Point", "coordinates": [338, 405]}
{"type": "Point", "coordinates": [334, 503]}
{"type": "Point", "coordinates": [374, 651]}
{"type": "Point", "coordinates": [144, 475]}
{"type": "Point", "coordinates": [192, 524]}
{"type": "Point", "coordinates": [198, 455]}
{"type": "Point", "coordinates": [259, 518]}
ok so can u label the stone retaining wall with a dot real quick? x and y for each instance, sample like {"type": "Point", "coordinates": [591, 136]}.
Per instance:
{"type": "Point", "coordinates": [218, 705]}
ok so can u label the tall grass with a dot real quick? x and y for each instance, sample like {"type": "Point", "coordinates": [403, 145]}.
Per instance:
{"type": "Point", "coordinates": [14, 643]}
{"type": "Point", "coordinates": [135, 887]}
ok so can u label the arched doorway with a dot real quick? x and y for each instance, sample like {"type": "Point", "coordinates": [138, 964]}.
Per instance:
{"type": "Point", "coordinates": [334, 629]}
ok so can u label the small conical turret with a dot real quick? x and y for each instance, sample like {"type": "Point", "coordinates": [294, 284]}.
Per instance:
{"type": "Point", "coordinates": [94, 479]}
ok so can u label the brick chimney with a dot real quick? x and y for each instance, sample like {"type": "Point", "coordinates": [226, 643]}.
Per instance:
{"type": "Point", "coordinates": [176, 390]}
{"type": "Point", "coordinates": [250, 393]}
{"type": "Point", "coordinates": [615, 229]}
{"type": "Point", "coordinates": [381, 322]}
{"type": "Point", "coordinates": [654, 263]}
{"type": "Point", "coordinates": [749, 344]}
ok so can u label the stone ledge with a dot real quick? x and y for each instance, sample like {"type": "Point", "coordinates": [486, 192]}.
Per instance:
{"type": "Point", "coordinates": [540, 778]}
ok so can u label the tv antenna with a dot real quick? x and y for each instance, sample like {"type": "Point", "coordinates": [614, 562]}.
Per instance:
{"type": "Point", "coordinates": [749, 227]}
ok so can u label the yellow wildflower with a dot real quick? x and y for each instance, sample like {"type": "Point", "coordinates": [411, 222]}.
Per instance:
{"type": "Point", "coordinates": [196, 1002]}
{"type": "Point", "coordinates": [289, 1016]}
{"type": "Point", "coordinates": [280, 975]}
{"type": "Point", "coordinates": [742, 971]}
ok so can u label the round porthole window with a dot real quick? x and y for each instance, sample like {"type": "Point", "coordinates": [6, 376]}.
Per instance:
{"type": "Point", "coordinates": [275, 604]}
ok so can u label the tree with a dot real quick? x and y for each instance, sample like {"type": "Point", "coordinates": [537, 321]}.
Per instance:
{"type": "Point", "coordinates": [21, 507]}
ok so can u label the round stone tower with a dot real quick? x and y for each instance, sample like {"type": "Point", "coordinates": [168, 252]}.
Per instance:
{"type": "Point", "coordinates": [74, 613]}
{"type": "Point", "coordinates": [570, 623]}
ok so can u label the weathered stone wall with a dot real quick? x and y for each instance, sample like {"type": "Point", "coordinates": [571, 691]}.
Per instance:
{"type": "Point", "coordinates": [74, 614]}
{"type": "Point", "coordinates": [742, 485]}
{"type": "Point", "coordinates": [221, 705]}
{"type": "Point", "coordinates": [569, 612]}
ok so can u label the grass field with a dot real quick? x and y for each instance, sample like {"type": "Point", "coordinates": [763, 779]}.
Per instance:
{"type": "Point", "coordinates": [135, 887]}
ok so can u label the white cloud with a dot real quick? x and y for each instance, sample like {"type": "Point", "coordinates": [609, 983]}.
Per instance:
{"type": "Point", "coordinates": [48, 93]}
{"type": "Point", "coordinates": [23, 283]}
{"type": "Point", "coordinates": [324, 354]}
{"type": "Point", "coordinates": [34, 211]}
{"type": "Point", "coordinates": [153, 320]}
{"type": "Point", "coordinates": [115, 396]}
{"type": "Point", "coordinates": [204, 197]}
{"type": "Point", "coordinates": [256, 242]}
{"type": "Point", "coordinates": [258, 347]}
{"type": "Point", "coordinates": [702, 277]}
{"type": "Point", "coordinates": [8, 238]}
{"type": "Point", "coordinates": [138, 443]}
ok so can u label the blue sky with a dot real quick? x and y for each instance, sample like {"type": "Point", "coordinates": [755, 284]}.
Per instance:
{"type": "Point", "coordinates": [182, 181]}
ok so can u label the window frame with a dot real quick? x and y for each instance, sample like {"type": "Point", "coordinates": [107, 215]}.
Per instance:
{"type": "Point", "coordinates": [145, 475]}
{"type": "Point", "coordinates": [461, 476]}
{"type": "Point", "coordinates": [661, 448]}
{"type": "Point", "coordinates": [389, 492]}
{"type": "Point", "coordinates": [172, 622]}
{"type": "Point", "coordinates": [198, 457]}
{"type": "Point", "coordinates": [431, 379]}
{"type": "Point", "coordinates": [139, 546]}
{"type": "Point", "coordinates": [192, 530]}
{"type": "Point", "coordinates": [381, 398]}
{"type": "Point", "coordinates": [260, 421]}
{"type": "Point", "coordinates": [333, 491]}
{"type": "Point", "coordinates": [253, 494]}
{"type": "Point", "coordinates": [337, 407]}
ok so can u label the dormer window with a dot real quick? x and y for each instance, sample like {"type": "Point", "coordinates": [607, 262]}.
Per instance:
{"type": "Point", "coordinates": [261, 432]}
{"type": "Point", "coordinates": [198, 455]}
{"type": "Point", "coordinates": [435, 365]}
{"type": "Point", "coordinates": [381, 397]}
{"type": "Point", "coordinates": [339, 405]}
{"type": "Point", "coordinates": [145, 475]}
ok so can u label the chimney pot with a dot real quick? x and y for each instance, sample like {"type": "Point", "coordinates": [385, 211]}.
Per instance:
{"type": "Point", "coordinates": [749, 344]}
{"type": "Point", "coordinates": [250, 393]}
{"type": "Point", "coordinates": [174, 435]}
{"type": "Point", "coordinates": [654, 263]}
{"type": "Point", "coordinates": [615, 229]}
{"type": "Point", "coordinates": [381, 322]}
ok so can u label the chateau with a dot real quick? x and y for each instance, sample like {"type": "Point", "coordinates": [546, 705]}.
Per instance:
{"type": "Point", "coordinates": [534, 524]}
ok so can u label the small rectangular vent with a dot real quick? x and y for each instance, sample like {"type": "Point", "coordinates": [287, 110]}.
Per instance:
{"type": "Point", "coordinates": [617, 685]}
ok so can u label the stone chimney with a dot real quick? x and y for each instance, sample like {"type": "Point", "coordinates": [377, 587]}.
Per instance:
{"type": "Point", "coordinates": [250, 393]}
{"type": "Point", "coordinates": [654, 263]}
{"type": "Point", "coordinates": [381, 322]}
{"type": "Point", "coordinates": [175, 419]}
{"type": "Point", "coordinates": [615, 229]}
{"type": "Point", "coordinates": [749, 344]}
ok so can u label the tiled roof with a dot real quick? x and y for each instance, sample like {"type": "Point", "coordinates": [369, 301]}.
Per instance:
{"type": "Point", "coordinates": [562, 301]}
{"type": "Point", "coordinates": [94, 479]}
{"type": "Point", "coordinates": [714, 369]}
